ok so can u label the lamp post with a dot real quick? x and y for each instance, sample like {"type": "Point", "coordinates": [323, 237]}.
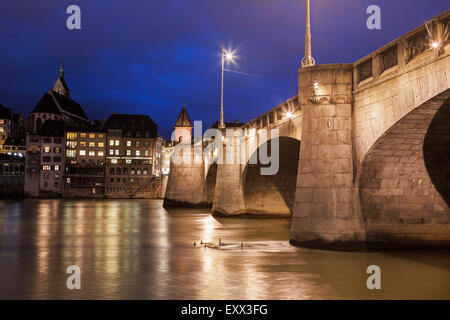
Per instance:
{"type": "Point", "coordinates": [308, 60]}
{"type": "Point", "coordinates": [228, 56]}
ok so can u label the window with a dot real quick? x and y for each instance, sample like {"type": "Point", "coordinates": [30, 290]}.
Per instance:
{"type": "Point", "coordinates": [111, 152]}
{"type": "Point", "coordinates": [116, 152]}
{"type": "Point", "coordinates": [57, 150]}
{"type": "Point", "coordinates": [71, 144]}
{"type": "Point", "coordinates": [111, 171]}
{"type": "Point", "coordinates": [100, 154]}
{"type": "Point", "coordinates": [118, 171]}
{"type": "Point", "coordinates": [83, 135]}
{"type": "Point", "coordinates": [47, 140]}
{"type": "Point", "coordinates": [56, 159]}
{"type": "Point", "coordinates": [138, 171]}
{"type": "Point", "coordinates": [128, 143]}
{"type": "Point", "coordinates": [57, 140]}
{"type": "Point", "coordinates": [146, 152]}
{"type": "Point", "coordinates": [138, 153]}
{"type": "Point", "coordinates": [82, 152]}
{"type": "Point", "coordinates": [57, 168]}
{"type": "Point", "coordinates": [145, 172]}
{"type": "Point", "coordinates": [128, 152]}
{"type": "Point", "coordinates": [91, 135]}
{"type": "Point", "coordinates": [46, 175]}
{"type": "Point", "coordinates": [82, 143]}
{"type": "Point", "coordinates": [71, 135]}
{"type": "Point", "coordinates": [46, 168]}
{"type": "Point", "coordinates": [111, 142]}
{"type": "Point", "coordinates": [91, 144]}
{"type": "Point", "coordinates": [71, 153]}
{"type": "Point", "coordinates": [2, 129]}
{"type": "Point", "coordinates": [132, 171]}
{"type": "Point", "coordinates": [2, 121]}
{"type": "Point", "coordinates": [138, 143]}
{"type": "Point", "coordinates": [128, 161]}
{"type": "Point", "coordinates": [46, 149]}
{"type": "Point", "coordinates": [113, 160]}
{"type": "Point", "coordinates": [101, 144]}
{"type": "Point", "coordinates": [100, 135]}
{"type": "Point", "coordinates": [56, 175]}
{"type": "Point", "coordinates": [125, 171]}
{"type": "Point", "coordinates": [91, 153]}
{"type": "Point", "coordinates": [46, 159]}
{"type": "Point", "coordinates": [117, 142]}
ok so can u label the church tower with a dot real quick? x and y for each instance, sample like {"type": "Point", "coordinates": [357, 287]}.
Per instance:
{"type": "Point", "coordinates": [183, 127]}
{"type": "Point", "coordinates": [60, 85]}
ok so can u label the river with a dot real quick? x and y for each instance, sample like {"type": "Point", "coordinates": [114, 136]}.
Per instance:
{"type": "Point", "coordinates": [135, 249]}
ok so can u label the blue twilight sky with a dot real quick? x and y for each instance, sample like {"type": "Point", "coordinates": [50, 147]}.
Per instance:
{"type": "Point", "coordinates": [148, 56]}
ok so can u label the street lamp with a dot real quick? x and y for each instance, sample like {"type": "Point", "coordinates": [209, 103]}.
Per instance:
{"type": "Point", "coordinates": [226, 55]}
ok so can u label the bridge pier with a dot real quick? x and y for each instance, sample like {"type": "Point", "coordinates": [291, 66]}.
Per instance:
{"type": "Point", "coordinates": [326, 210]}
{"type": "Point", "coordinates": [229, 195]}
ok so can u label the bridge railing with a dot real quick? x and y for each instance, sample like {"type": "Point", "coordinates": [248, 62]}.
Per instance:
{"type": "Point", "coordinates": [290, 109]}
{"type": "Point", "coordinates": [407, 51]}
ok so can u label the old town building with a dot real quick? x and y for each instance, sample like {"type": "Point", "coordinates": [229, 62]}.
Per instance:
{"type": "Point", "coordinates": [85, 163]}
{"type": "Point", "coordinates": [133, 157]}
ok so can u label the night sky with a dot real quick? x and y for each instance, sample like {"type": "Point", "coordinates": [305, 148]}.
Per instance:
{"type": "Point", "coordinates": [149, 56]}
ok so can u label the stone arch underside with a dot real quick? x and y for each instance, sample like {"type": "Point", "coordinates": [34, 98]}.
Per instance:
{"type": "Point", "coordinates": [210, 183]}
{"type": "Point", "coordinates": [404, 181]}
{"type": "Point", "coordinates": [273, 194]}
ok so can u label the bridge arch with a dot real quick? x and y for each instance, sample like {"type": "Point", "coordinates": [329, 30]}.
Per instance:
{"type": "Point", "coordinates": [404, 182]}
{"type": "Point", "coordinates": [272, 194]}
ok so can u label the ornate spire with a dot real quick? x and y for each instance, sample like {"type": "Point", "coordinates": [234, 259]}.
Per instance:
{"type": "Point", "coordinates": [61, 69]}
{"type": "Point", "coordinates": [308, 60]}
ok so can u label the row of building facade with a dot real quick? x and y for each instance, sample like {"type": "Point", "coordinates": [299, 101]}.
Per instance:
{"type": "Point", "coordinates": [58, 152]}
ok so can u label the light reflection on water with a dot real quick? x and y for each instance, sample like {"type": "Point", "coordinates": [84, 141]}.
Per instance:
{"type": "Point", "coordinates": [134, 249]}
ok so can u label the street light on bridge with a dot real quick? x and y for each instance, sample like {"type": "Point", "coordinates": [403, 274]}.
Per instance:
{"type": "Point", "coordinates": [226, 55]}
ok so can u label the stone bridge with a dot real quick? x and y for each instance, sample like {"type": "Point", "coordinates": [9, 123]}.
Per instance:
{"type": "Point", "coordinates": [364, 152]}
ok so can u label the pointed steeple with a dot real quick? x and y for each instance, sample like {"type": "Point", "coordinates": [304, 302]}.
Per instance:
{"type": "Point", "coordinates": [183, 119]}
{"type": "Point", "coordinates": [61, 69]}
{"type": "Point", "coordinates": [60, 85]}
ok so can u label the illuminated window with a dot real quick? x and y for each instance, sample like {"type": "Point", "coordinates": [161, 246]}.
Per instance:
{"type": "Point", "coordinates": [117, 142]}
{"type": "Point", "coordinates": [83, 135]}
{"type": "Point", "coordinates": [111, 142]}
{"type": "Point", "coordinates": [46, 149]}
{"type": "Point", "coordinates": [46, 168]}
{"type": "Point", "coordinates": [71, 153]}
{"type": "Point", "coordinates": [91, 144]}
{"type": "Point", "coordinates": [57, 168]}
{"type": "Point", "coordinates": [128, 152]}
{"type": "Point", "coordinates": [82, 152]}
{"type": "Point", "coordinates": [82, 143]}
{"type": "Point", "coordinates": [116, 152]}
{"type": "Point", "coordinates": [111, 152]}
{"type": "Point", "coordinates": [100, 135]}
{"type": "Point", "coordinates": [100, 154]}
{"type": "Point", "coordinates": [138, 153]}
{"type": "Point", "coordinates": [91, 153]}
{"type": "Point", "coordinates": [71, 135]}
{"type": "Point", "coordinates": [138, 143]}
{"type": "Point", "coordinates": [145, 172]}
{"type": "Point", "coordinates": [92, 135]}
{"type": "Point", "coordinates": [146, 152]}
{"type": "Point", "coordinates": [2, 129]}
{"type": "Point", "coordinates": [71, 144]}
{"type": "Point", "coordinates": [101, 144]}
{"type": "Point", "coordinates": [113, 160]}
{"type": "Point", "coordinates": [56, 175]}
{"type": "Point", "coordinates": [2, 121]}
{"type": "Point", "coordinates": [128, 161]}
{"type": "Point", "coordinates": [128, 143]}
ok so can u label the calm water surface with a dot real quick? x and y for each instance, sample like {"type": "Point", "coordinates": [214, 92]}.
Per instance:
{"type": "Point", "coordinates": [135, 249]}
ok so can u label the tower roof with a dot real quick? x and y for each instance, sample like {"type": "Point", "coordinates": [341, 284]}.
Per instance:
{"type": "Point", "coordinates": [60, 85]}
{"type": "Point", "coordinates": [183, 119]}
